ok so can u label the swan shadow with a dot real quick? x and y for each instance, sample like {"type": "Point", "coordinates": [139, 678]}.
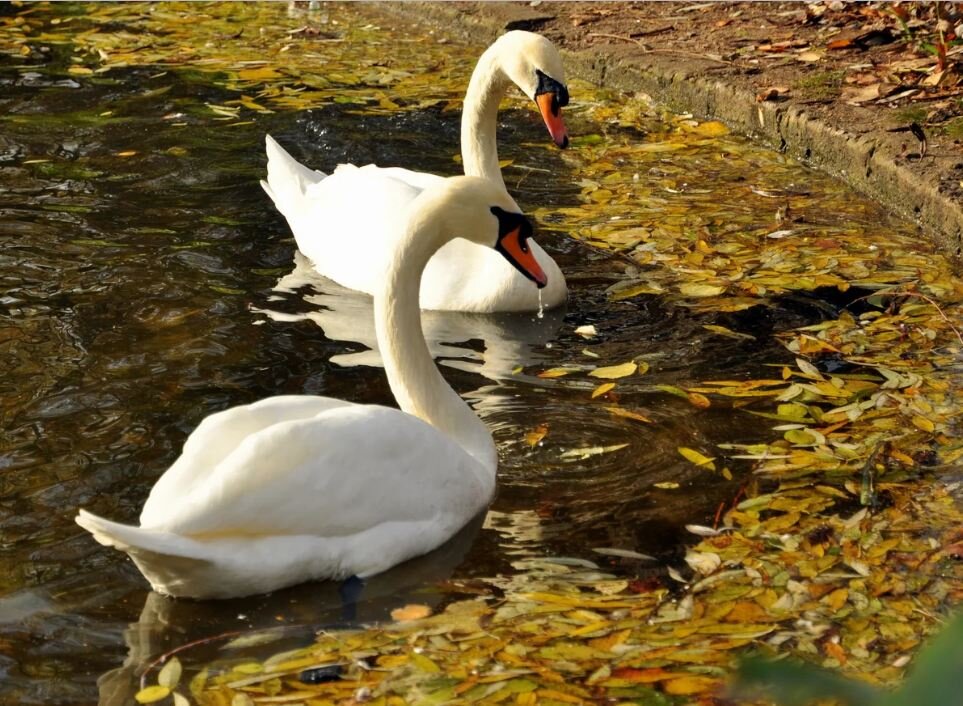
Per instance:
{"type": "Point", "coordinates": [510, 339]}
{"type": "Point", "coordinates": [282, 620]}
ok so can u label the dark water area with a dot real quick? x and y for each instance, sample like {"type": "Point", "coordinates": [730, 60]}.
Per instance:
{"type": "Point", "coordinates": [138, 265]}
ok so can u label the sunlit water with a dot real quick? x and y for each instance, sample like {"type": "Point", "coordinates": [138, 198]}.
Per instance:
{"type": "Point", "coordinates": [140, 293]}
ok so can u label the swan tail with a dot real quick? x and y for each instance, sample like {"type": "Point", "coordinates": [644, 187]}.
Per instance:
{"type": "Point", "coordinates": [287, 179]}
{"type": "Point", "coordinates": [165, 559]}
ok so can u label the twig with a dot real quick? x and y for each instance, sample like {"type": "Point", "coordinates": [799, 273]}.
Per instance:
{"type": "Point", "coordinates": [180, 648]}
{"type": "Point", "coordinates": [646, 50]}
{"type": "Point", "coordinates": [931, 302]}
{"type": "Point", "coordinates": [943, 316]}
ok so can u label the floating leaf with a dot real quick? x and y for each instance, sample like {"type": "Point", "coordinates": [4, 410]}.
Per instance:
{"type": "Point", "coordinates": [613, 372]}
{"type": "Point", "coordinates": [602, 389]}
{"type": "Point", "coordinates": [150, 694]}
{"type": "Point", "coordinates": [170, 674]}
{"type": "Point", "coordinates": [723, 331]}
{"type": "Point", "coordinates": [622, 553]}
{"type": "Point", "coordinates": [556, 372]}
{"type": "Point", "coordinates": [411, 611]}
{"type": "Point", "coordinates": [697, 458]}
{"type": "Point", "coordinates": [533, 437]}
{"type": "Point", "coordinates": [700, 289]}
{"type": "Point", "coordinates": [628, 414]}
{"type": "Point", "coordinates": [588, 451]}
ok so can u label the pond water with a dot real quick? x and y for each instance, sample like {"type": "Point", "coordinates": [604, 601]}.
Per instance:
{"type": "Point", "coordinates": [146, 282]}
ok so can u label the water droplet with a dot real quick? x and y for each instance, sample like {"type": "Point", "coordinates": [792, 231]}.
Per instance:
{"type": "Point", "coordinates": [541, 307]}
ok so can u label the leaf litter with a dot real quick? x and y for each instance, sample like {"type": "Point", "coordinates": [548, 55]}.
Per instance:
{"type": "Point", "coordinates": [843, 547]}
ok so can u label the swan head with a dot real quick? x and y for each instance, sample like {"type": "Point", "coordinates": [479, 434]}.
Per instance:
{"type": "Point", "coordinates": [481, 211]}
{"type": "Point", "coordinates": [533, 63]}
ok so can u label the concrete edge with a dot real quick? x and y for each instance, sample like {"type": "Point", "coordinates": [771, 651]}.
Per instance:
{"type": "Point", "coordinates": [866, 163]}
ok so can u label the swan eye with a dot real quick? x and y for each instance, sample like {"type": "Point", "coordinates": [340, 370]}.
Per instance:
{"type": "Point", "coordinates": [547, 84]}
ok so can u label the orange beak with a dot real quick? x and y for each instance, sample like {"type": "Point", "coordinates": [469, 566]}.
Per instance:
{"type": "Point", "coordinates": [552, 115]}
{"type": "Point", "coordinates": [520, 254]}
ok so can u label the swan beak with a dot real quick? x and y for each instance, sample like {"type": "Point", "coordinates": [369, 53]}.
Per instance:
{"type": "Point", "coordinates": [550, 108]}
{"type": "Point", "coordinates": [514, 247]}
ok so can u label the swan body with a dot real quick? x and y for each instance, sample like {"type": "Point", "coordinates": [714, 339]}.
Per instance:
{"type": "Point", "coordinates": [300, 487]}
{"type": "Point", "coordinates": [462, 276]}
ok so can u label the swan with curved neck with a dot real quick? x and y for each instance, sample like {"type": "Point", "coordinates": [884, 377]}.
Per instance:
{"type": "Point", "coordinates": [461, 276]}
{"type": "Point", "coordinates": [300, 487]}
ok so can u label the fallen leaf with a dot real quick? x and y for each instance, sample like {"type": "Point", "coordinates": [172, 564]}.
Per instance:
{"type": "Point", "coordinates": [622, 553]}
{"type": "Point", "coordinates": [536, 435]}
{"type": "Point", "coordinates": [628, 414]}
{"type": "Point", "coordinates": [699, 289]}
{"type": "Point", "coordinates": [170, 674]}
{"type": "Point", "coordinates": [697, 458]}
{"type": "Point", "coordinates": [411, 611]}
{"type": "Point", "coordinates": [150, 694]}
{"type": "Point", "coordinates": [613, 372]}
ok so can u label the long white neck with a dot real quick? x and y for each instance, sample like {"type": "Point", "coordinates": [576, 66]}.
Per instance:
{"type": "Point", "coordinates": [412, 374]}
{"type": "Point", "coordinates": [479, 118]}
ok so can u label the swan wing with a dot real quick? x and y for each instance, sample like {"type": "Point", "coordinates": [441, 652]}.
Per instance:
{"type": "Point", "coordinates": [346, 222]}
{"type": "Point", "coordinates": [217, 437]}
{"type": "Point", "coordinates": [342, 472]}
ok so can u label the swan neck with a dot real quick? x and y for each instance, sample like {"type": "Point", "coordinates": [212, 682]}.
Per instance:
{"type": "Point", "coordinates": [479, 118]}
{"type": "Point", "coordinates": [415, 380]}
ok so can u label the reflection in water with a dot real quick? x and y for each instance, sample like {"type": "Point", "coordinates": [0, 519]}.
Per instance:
{"type": "Point", "coordinates": [126, 290]}
{"type": "Point", "coordinates": [509, 340]}
{"type": "Point", "coordinates": [284, 620]}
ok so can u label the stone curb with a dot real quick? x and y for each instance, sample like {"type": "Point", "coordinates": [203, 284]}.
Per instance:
{"type": "Point", "coordinates": [867, 163]}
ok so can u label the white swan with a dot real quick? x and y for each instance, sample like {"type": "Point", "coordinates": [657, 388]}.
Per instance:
{"type": "Point", "coordinates": [462, 276]}
{"type": "Point", "coordinates": [299, 487]}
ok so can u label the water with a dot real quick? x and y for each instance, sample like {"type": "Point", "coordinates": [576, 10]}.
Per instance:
{"type": "Point", "coordinates": [141, 292]}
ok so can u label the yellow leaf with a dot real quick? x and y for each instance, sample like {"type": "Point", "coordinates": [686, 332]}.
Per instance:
{"type": "Point", "coordinates": [602, 389]}
{"type": "Point", "coordinates": [699, 289]}
{"type": "Point", "coordinates": [690, 685]}
{"type": "Point", "coordinates": [536, 434]}
{"type": "Point", "coordinates": [150, 694]}
{"type": "Point", "coordinates": [723, 331]}
{"type": "Point", "coordinates": [923, 423]}
{"type": "Point", "coordinates": [612, 372]}
{"type": "Point", "coordinates": [424, 664]}
{"type": "Point", "coordinates": [80, 71]}
{"type": "Point", "coordinates": [667, 485]}
{"type": "Point", "coordinates": [412, 611]}
{"type": "Point", "coordinates": [697, 458]}
{"type": "Point", "coordinates": [258, 74]}
{"type": "Point", "coordinates": [698, 400]}
{"type": "Point", "coordinates": [711, 128]}
{"type": "Point", "coordinates": [170, 675]}
{"type": "Point", "coordinates": [555, 372]}
{"type": "Point", "coordinates": [610, 641]}
{"type": "Point", "coordinates": [628, 414]}
{"type": "Point", "coordinates": [127, 153]}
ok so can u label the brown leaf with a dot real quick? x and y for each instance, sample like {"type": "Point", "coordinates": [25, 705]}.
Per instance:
{"type": "Point", "coordinates": [412, 611]}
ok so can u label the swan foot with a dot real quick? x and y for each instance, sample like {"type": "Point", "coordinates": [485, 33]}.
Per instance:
{"type": "Point", "coordinates": [350, 591]}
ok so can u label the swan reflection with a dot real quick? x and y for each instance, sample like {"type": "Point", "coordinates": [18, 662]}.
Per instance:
{"type": "Point", "coordinates": [510, 339]}
{"type": "Point", "coordinates": [277, 621]}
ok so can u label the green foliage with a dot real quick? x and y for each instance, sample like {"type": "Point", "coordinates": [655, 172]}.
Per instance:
{"type": "Point", "coordinates": [954, 128]}
{"type": "Point", "coordinates": [933, 682]}
{"type": "Point", "coordinates": [822, 84]}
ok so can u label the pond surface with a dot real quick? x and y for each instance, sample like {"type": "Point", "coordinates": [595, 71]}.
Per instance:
{"type": "Point", "coordinates": [146, 282]}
